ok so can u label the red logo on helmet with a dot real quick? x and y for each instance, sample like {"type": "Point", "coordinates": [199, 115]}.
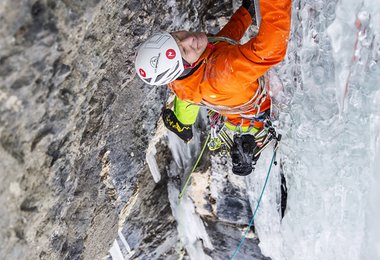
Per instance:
{"type": "Point", "coordinates": [142, 72]}
{"type": "Point", "coordinates": [170, 54]}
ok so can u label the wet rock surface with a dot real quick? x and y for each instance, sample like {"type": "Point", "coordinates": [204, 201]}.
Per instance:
{"type": "Point", "coordinates": [75, 125]}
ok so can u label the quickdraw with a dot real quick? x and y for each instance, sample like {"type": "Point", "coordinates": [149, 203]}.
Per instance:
{"type": "Point", "coordinates": [219, 136]}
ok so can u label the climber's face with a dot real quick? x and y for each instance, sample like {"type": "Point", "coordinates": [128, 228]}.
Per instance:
{"type": "Point", "coordinates": [191, 44]}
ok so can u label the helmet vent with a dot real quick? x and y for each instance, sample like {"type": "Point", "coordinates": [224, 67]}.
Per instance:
{"type": "Point", "coordinates": [160, 76]}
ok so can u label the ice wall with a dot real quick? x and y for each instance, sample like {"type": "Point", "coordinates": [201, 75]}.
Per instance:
{"type": "Point", "coordinates": [330, 149]}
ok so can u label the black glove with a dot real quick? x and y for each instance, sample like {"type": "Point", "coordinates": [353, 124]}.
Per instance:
{"type": "Point", "coordinates": [171, 122]}
{"type": "Point", "coordinates": [250, 6]}
{"type": "Point", "coordinates": [242, 154]}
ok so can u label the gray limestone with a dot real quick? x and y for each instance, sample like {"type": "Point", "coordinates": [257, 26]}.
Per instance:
{"type": "Point", "coordinates": [75, 124]}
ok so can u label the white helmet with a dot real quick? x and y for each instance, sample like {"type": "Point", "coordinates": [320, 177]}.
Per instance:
{"type": "Point", "coordinates": [158, 60]}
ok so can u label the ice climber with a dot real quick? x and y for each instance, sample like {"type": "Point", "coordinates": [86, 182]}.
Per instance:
{"type": "Point", "coordinates": [223, 76]}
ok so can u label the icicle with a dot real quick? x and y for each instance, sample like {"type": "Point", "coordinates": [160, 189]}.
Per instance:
{"type": "Point", "coordinates": [152, 163]}
{"type": "Point", "coordinates": [151, 152]}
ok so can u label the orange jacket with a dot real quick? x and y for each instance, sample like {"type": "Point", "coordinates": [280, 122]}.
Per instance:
{"type": "Point", "coordinates": [228, 74]}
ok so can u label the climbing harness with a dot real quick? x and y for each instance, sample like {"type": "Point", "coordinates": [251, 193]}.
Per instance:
{"type": "Point", "coordinates": [263, 137]}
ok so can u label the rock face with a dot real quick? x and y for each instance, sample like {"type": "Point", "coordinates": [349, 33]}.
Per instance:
{"type": "Point", "coordinates": [75, 125]}
{"type": "Point", "coordinates": [54, 97]}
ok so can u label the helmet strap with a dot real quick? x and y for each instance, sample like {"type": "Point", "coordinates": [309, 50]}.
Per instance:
{"type": "Point", "coordinates": [190, 66]}
{"type": "Point", "coordinates": [211, 46]}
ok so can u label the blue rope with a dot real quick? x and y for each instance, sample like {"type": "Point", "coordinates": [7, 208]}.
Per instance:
{"type": "Point", "coordinates": [257, 207]}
